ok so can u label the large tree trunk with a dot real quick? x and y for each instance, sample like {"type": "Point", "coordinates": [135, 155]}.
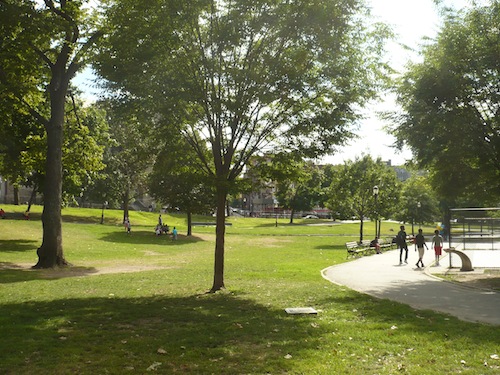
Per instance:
{"type": "Point", "coordinates": [50, 254]}
{"type": "Point", "coordinates": [219, 240]}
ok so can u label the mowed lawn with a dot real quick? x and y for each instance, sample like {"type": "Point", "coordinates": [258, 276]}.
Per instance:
{"type": "Point", "coordinates": [137, 304]}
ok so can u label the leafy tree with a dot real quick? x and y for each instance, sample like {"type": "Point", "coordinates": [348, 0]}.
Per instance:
{"type": "Point", "coordinates": [245, 76]}
{"type": "Point", "coordinates": [418, 203]}
{"type": "Point", "coordinates": [44, 45]}
{"type": "Point", "coordinates": [177, 180]}
{"type": "Point", "coordinates": [352, 192]}
{"type": "Point", "coordinates": [297, 183]}
{"type": "Point", "coordinates": [451, 107]}
{"type": "Point", "coordinates": [131, 152]}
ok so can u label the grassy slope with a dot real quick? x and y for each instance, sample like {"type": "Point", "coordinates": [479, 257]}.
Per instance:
{"type": "Point", "coordinates": [77, 321]}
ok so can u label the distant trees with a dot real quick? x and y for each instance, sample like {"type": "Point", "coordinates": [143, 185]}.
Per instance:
{"type": "Point", "coordinates": [451, 107]}
{"type": "Point", "coordinates": [177, 180]}
{"type": "Point", "coordinates": [351, 191]}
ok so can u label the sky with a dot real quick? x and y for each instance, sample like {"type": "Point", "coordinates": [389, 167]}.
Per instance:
{"type": "Point", "coordinates": [411, 20]}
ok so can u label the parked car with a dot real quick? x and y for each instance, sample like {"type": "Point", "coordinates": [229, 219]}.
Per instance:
{"type": "Point", "coordinates": [311, 217]}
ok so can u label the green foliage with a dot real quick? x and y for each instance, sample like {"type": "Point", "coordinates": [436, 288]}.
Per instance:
{"type": "Point", "coordinates": [351, 192]}
{"type": "Point", "coordinates": [451, 103]}
{"type": "Point", "coordinates": [177, 179]}
{"type": "Point", "coordinates": [415, 191]}
{"type": "Point", "coordinates": [297, 183]}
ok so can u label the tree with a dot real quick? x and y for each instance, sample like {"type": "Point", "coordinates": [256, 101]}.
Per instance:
{"type": "Point", "coordinates": [418, 203]}
{"type": "Point", "coordinates": [131, 152]}
{"type": "Point", "coordinates": [352, 192]}
{"type": "Point", "coordinates": [245, 76]}
{"type": "Point", "coordinates": [52, 40]}
{"type": "Point", "coordinates": [451, 107]}
{"type": "Point", "coordinates": [178, 181]}
{"type": "Point", "coordinates": [297, 183]}
{"type": "Point", "coordinates": [23, 153]}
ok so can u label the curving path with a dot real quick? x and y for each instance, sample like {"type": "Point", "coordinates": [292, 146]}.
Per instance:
{"type": "Point", "coordinates": [381, 276]}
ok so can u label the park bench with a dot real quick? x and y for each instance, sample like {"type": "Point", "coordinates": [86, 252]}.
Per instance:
{"type": "Point", "coordinates": [354, 248]}
{"type": "Point", "coordinates": [386, 243]}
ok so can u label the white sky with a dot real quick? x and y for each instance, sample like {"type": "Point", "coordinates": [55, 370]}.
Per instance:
{"type": "Point", "coordinates": [411, 20]}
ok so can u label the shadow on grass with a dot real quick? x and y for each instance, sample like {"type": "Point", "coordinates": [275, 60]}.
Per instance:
{"type": "Point", "coordinates": [13, 273]}
{"type": "Point", "coordinates": [149, 238]}
{"type": "Point", "coordinates": [18, 245]}
{"type": "Point", "coordinates": [215, 333]}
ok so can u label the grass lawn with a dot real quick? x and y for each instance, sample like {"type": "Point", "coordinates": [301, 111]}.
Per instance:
{"type": "Point", "coordinates": [137, 304]}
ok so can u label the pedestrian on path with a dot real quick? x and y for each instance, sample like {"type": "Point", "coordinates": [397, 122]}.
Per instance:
{"type": "Point", "coordinates": [437, 243]}
{"type": "Point", "coordinates": [403, 246]}
{"type": "Point", "coordinates": [174, 234]}
{"type": "Point", "coordinates": [420, 243]}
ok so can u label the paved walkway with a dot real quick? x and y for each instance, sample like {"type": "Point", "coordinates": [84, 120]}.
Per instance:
{"type": "Point", "coordinates": [381, 276]}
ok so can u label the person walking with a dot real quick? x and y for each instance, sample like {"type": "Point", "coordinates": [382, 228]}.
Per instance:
{"type": "Point", "coordinates": [403, 246]}
{"type": "Point", "coordinates": [174, 234]}
{"type": "Point", "coordinates": [420, 243]}
{"type": "Point", "coordinates": [437, 243]}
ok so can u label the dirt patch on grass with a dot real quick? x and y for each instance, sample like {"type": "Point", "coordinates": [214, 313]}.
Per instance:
{"type": "Point", "coordinates": [482, 278]}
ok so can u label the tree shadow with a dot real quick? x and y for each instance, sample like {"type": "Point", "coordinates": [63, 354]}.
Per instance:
{"type": "Point", "coordinates": [149, 238]}
{"type": "Point", "coordinates": [213, 333]}
{"type": "Point", "coordinates": [18, 245]}
{"type": "Point", "coordinates": [13, 273]}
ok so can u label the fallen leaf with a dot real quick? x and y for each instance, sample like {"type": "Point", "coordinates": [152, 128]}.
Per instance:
{"type": "Point", "coordinates": [494, 356]}
{"type": "Point", "coordinates": [154, 366]}
{"type": "Point", "coordinates": [288, 356]}
{"type": "Point", "coordinates": [161, 351]}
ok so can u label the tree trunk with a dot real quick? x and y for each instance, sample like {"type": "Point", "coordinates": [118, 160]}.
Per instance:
{"type": "Point", "coordinates": [16, 195]}
{"type": "Point", "coordinates": [220, 231]}
{"type": "Point", "coordinates": [361, 230]}
{"type": "Point", "coordinates": [50, 254]}
{"type": "Point", "coordinates": [292, 212]}
{"type": "Point", "coordinates": [126, 198]}
{"type": "Point", "coordinates": [190, 223]}
{"type": "Point", "coordinates": [32, 198]}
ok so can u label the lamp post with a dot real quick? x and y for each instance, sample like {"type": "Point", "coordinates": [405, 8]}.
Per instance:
{"type": "Point", "coordinates": [104, 205]}
{"type": "Point", "coordinates": [375, 195]}
{"type": "Point", "coordinates": [276, 212]}
{"type": "Point", "coordinates": [418, 210]}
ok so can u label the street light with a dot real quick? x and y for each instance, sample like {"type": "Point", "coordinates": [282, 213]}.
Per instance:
{"type": "Point", "coordinates": [104, 205]}
{"type": "Point", "coordinates": [276, 212]}
{"type": "Point", "coordinates": [418, 210]}
{"type": "Point", "coordinates": [375, 195]}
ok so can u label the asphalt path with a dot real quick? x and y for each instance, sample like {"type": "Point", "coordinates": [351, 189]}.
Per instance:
{"type": "Point", "coordinates": [382, 276]}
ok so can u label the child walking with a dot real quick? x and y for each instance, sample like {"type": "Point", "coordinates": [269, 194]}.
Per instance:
{"type": "Point", "coordinates": [437, 242]}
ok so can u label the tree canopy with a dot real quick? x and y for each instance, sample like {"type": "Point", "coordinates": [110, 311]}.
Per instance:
{"type": "Point", "coordinates": [451, 106]}
{"type": "Point", "coordinates": [352, 190]}
{"type": "Point", "coordinates": [245, 76]}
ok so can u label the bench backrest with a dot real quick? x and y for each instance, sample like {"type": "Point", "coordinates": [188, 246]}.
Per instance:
{"type": "Point", "coordinates": [351, 245]}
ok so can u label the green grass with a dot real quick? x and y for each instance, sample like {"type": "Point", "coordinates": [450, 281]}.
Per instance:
{"type": "Point", "coordinates": [98, 317]}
